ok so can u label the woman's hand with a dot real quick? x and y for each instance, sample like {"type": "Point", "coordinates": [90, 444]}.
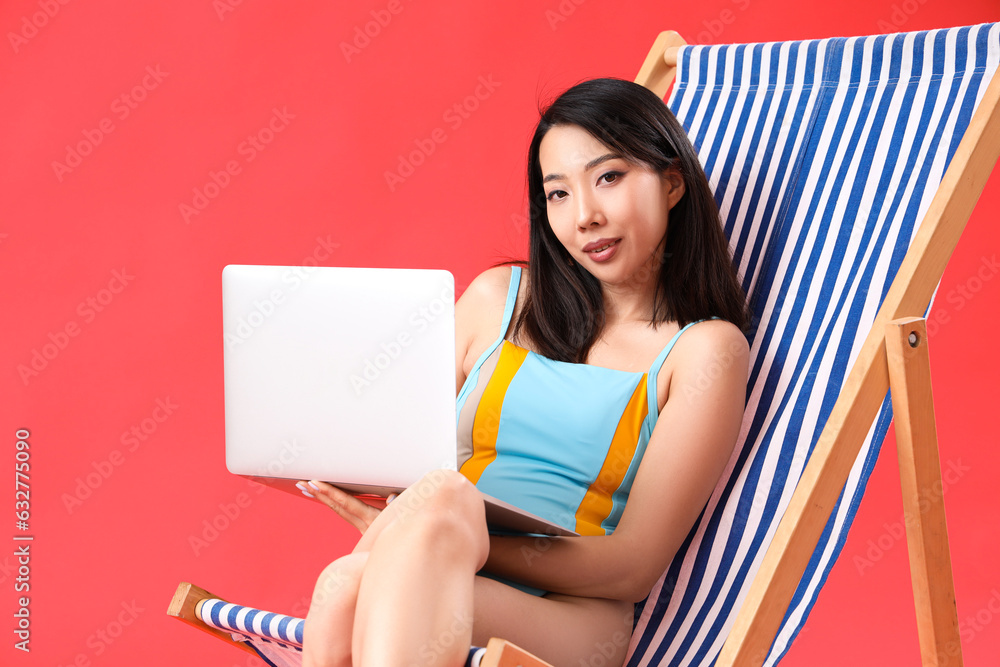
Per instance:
{"type": "Point", "coordinates": [356, 512]}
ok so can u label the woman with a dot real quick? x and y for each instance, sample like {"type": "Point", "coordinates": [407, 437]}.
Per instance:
{"type": "Point", "coordinates": [577, 392]}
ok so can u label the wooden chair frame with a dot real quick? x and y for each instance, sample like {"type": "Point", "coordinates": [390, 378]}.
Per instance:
{"type": "Point", "coordinates": [894, 355]}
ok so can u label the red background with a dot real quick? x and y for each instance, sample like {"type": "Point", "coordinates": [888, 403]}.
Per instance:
{"type": "Point", "coordinates": [348, 119]}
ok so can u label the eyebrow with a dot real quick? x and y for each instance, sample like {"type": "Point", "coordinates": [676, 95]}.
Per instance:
{"type": "Point", "coordinates": [590, 165]}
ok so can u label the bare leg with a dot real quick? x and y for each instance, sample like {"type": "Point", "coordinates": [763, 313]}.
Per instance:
{"type": "Point", "coordinates": [418, 595]}
{"type": "Point", "coordinates": [330, 622]}
{"type": "Point", "coordinates": [415, 602]}
{"type": "Point", "coordinates": [561, 629]}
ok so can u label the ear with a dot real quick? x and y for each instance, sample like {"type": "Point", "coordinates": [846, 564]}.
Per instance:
{"type": "Point", "coordinates": [673, 182]}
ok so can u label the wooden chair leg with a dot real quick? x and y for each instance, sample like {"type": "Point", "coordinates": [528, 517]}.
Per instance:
{"type": "Point", "coordinates": [923, 502]}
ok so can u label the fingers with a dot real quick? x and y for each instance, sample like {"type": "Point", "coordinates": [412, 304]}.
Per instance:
{"type": "Point", "coordinates": [359, 514]}
{"type": "Point", "coordinates": [331, 496]}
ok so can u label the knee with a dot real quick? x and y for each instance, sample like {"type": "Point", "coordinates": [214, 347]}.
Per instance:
{"type": "Point", "coordinates": [452, 513]}
{"type": "Point", "coordinates": [448, 489]}
{"type": "Point", "coordinates": [452, 486]}
{"type": "Point", "coordinates": [339, 581]}
{"type": "Point", "coordinates": [327, 631]}
{"type": "Point", "coordinates": [454, 497]}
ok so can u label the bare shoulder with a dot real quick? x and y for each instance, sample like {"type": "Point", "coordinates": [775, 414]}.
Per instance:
{"type": "Point", "coordinates": [488, 288]}
{"type": "Point", "coordinates": [483, 300]}
{"type": "Point", "coordinates": [711, 337]}
{"type": "Point", "coordinates": [711, 350]}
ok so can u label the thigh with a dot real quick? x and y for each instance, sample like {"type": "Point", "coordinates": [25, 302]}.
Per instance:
{"type": "Point", "coordinates": [561, 629]}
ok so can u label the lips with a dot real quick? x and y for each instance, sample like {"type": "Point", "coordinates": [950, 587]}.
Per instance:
{"type": "Point", "coordinates": [600, 244]}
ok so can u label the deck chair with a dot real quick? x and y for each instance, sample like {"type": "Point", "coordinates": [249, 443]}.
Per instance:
{"type": "Point", "coordinates": [845, 171]}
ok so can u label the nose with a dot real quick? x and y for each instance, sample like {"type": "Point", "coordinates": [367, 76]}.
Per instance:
{"type": "Point", "coordinates": [588, 210]}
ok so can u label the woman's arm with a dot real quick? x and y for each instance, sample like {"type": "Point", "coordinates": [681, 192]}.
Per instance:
{"type": "Point", "coordinates": [687, 453]}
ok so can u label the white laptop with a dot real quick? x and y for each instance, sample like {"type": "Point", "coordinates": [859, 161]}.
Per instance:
{"type": "Point", "coordinates": [346, 375]}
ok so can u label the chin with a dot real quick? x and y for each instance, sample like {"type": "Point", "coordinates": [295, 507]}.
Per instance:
{"type": "Point", "coordinates": [609, 274]}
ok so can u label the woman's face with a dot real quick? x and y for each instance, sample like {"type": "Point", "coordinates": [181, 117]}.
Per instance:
{"type": "Point", "coordinates": [609, 214]}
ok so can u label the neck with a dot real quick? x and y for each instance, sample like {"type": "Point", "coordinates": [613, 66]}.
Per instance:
{"type": "Point", "coordinates": [629, 302]}
{"type": "Point", "coordinates": [632, 300]}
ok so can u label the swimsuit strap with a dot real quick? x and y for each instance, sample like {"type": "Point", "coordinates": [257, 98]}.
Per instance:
{"type": "Point", "coordinates": [654, 371]}
{"type": "Point", "coordinates": [508, 312]}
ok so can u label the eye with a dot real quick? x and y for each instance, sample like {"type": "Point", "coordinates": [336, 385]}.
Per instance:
{"type": "Point", "coordinates": [555, 195]}
{"type": "Point", "coordinates": [610, 177]}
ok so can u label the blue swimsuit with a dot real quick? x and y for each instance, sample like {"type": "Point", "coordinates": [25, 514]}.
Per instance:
{"type": "Point", "coordinates": [561, 440]}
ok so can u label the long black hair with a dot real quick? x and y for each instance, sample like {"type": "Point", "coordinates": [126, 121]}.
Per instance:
{"type": "Point", "coordinates": [563, 313]}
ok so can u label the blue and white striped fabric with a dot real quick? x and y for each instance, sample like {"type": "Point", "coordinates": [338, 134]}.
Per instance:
{"type": "Point", "coordinates": [824, 156]}
{"type": "Point", "coordinates": [276, 638]}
